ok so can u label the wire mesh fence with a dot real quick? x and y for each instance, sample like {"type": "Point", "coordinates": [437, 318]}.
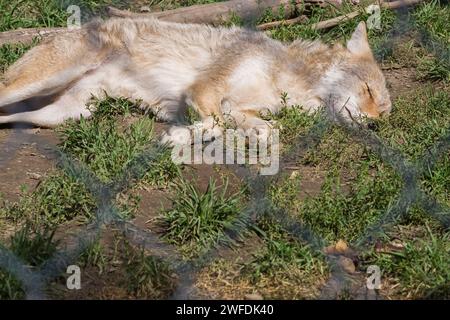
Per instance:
{"type": "Point", "coordinates": [259, 205]}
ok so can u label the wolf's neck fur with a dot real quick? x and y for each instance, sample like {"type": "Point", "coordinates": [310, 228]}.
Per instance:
{"type": "Point", "coordinates": [309, 69]}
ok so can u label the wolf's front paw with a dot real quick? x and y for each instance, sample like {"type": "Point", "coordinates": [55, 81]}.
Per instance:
{"type": "Point", "coordinates": [177, 136]}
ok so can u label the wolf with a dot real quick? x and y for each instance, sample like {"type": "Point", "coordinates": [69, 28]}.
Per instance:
{"type": "Point", "coordinates": [224, 74]}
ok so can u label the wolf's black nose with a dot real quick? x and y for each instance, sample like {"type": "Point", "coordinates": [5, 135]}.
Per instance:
{"type": "Point", "coordinates": [372, 126]}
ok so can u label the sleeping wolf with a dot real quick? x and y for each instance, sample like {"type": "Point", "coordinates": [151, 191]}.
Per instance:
{"type": "Point", "coordinates": [225, 74]}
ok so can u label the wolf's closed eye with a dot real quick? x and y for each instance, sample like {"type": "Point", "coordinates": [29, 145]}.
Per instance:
{"type": "Point", "coordinates": [368, 90]}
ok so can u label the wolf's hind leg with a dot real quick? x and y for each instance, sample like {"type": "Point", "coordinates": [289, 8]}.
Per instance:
{"type": "Point", "coordinates": [70, 105]}
{"type": "Point", "coordinates": [50, 67]}
{"type": "Point", "coordinates": [53, 114]}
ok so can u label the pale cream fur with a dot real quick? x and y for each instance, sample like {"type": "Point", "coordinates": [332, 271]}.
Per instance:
{"type": "Point", "coordinates": [224, 73]}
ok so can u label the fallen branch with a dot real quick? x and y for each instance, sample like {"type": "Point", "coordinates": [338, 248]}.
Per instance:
{"type": "Point", "coordinates": [270, 25]}
{"type": "Point", "coordinates": [27, 35]}
{"type": "Point", "coordinates": [219, 12]}
{"type": "Point", "coordinates": [346, 17]}
{"type": "Point", "coordinates": [326, 24]}
{"type": "Point", "coordinates": [214, 13]}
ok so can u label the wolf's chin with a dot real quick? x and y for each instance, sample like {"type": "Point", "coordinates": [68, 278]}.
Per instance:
{"type": "Point", "coordinates": [343, 110]}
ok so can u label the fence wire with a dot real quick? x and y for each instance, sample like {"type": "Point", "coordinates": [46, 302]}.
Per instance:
{"type": "Point", "coordinates": [34, 280]}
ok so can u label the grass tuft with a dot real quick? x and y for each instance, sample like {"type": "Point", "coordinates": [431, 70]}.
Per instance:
{"type": "Point", "coordinates": [147, 276]}
{"type": "Point", "coordinates": [198, 220]}
{"type": "Point", "coordinates": [34, 244]}
{"type": "Point", "coordinates": [58, 199]}
{"type": "Point", "coordinates": [421, 268]}
{"type": "Point", "coordinates": [10, 287]}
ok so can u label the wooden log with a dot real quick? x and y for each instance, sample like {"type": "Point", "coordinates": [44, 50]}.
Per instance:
{"type": "Point", "coordinates": [209, 13]}
{"type": "Point", "coordinates": [27, 35]}
{"type": "Point", "coordinates": [270, 25]}
{"type": "Point", "coordinates": [214, 13]}
{"type": "Point", "coordinates": [326, 24]}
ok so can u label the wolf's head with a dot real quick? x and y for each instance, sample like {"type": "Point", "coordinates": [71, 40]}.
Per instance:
{"type": "Point", "coordinates": [354, 87]}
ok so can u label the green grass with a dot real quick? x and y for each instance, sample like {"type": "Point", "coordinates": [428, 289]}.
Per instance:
{"type": "Point", "coordinates": [58, 199]}
{"type": "Point", "coordinates": [94, 256]}
{"type": "Point", "coordinates": [421, 268]}
{"type": "Point", "coordinates": [434, 16]}
{"type": "Point", "coordinates": [284, 267]}
{"type": "Point", "coordinates": [341, 212]}
{"type": "Point", "coordinates": [33, 244]}
{"type": "Point", "coordinates": [26, 14]}
{"type": "Point", "coordinates": [431, 68]}
{"type": "Point", "coordinates": [48, 13]}
{"type": "Point", "coordinates": [100, 143]}
{"type": "Point", "coordinates": [61, 198]}
{"type": "Point", "coordinates": [108, 145]}
{"type": "Point", "coordinates": [339, 33]}
{"type": "Point", "coordinates": [437, 181]}
{"type": "Point", "coordinates": [197, 220]}
{"type": "Point", "coordinates": [147, 276]}
{"type": "Point", "coordinates": [282, 252]}
{"type": "Point", "coordinates": [358, 187]}
{"type": "Point", "coordinates": [292, 121]}
{"type": "Point", "coordinates": [418, 121]}
{"type": "Point", "coordinates": [10, 287]}
{"type": "Point", "coordinates": [9, 53]}
{"type": "Point", "coordinates": [280, 255]}
{"type": "Point", "coordinates": [337, 149]}
{"type": "Point", "coordinates": [337, 215]}
{"type": "Point", "coordinates": [270, 15]}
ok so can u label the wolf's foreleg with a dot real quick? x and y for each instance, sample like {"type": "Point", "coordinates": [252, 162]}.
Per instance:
{"type": "Point", "coordinates": [205, 97]}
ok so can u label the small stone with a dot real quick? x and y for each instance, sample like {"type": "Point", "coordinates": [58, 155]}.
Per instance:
{"type": "Point", "coordinates": [398, 244]}
{"type": "Point", "coordinates": [341, 246]}
{"type": "Point", "coordinates": [34, 176]}
{"type": "Point", "coordinates": [145, 9]}
{"type": "Point", "coordinates": [330, 250]}
{"type": "Point", "coordinates": [254, 296]}
{"type": "Point", "coordinates": [294, 175]}
{"type": "Point", "coordinates": [379, 246]}
{"type": "Point", "coordinates": [347, 264]}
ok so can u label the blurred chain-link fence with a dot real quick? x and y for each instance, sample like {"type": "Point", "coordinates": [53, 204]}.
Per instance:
{"type": "Point", "coordinates": [34, 281]}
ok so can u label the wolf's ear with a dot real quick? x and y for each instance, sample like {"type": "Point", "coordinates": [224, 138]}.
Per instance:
{"type": "Point", "coordinates": [358, 43]}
